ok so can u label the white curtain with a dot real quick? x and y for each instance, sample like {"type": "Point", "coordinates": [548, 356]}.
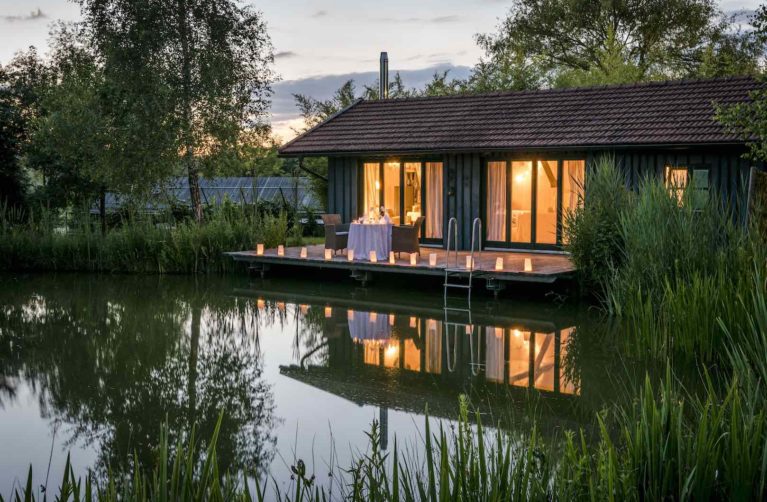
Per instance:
{"type": "Point", "coordinates": [433, 346]}
{"type": "Point", "coordinates": [496, 201]}
{"type": "Point", "coordinates": [372, 187]}
{"type": "Point", "coordinates": [434, 187]}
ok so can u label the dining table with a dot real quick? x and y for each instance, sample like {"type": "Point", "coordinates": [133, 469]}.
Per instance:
{"type": "Point", "coordinates": [367, 237]}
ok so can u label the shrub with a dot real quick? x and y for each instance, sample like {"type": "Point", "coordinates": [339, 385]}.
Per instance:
{"type": "Point", "coordinates": [592, 231]}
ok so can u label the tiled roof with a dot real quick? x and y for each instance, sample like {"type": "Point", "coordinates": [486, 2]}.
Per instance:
{"type": "Point", "coordinates": [659, 113]}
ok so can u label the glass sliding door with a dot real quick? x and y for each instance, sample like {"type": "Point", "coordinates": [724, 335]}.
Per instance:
{"type": "Point", "coordinates": [546, 202]}
{"type": "Point", "coordinates": [391, 187]}
{"type": "Point", "coordinates": [372, 188]}
{"type": "Point", "coordinates": [412, 192]}
{"type": "Point", "coordinates": [496, 201]}
{"type": "Point", "coordinates": [433, 199]}
{"type": "Point", "coordinates": [521, 201]}
{"type": "Point", "coordinates": [573, 183]}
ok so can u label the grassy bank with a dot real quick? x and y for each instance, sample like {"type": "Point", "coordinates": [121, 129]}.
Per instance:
{"type": "Point", "coordinates": [45, 241]}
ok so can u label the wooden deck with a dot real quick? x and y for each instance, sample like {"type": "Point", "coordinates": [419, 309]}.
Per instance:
{"type": "Point", "coordinates": [546, 268]}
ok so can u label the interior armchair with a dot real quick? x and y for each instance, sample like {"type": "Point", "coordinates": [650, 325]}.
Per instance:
{"type": "Point", "coordinates": [404, 239]}
{"type": "Point", "coordinates": [336, 233]}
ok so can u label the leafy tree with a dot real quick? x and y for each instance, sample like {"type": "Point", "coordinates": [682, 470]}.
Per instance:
{"type": "Point", "coordinates": [748, 120]}
{"type": "Point", "coordinates": [579, 42]}
{"type": "Point", "coordinates": [210, 60]}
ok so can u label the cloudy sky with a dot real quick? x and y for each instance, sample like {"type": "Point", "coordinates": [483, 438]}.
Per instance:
{"type": "Point", "coordinates": [319, 45]}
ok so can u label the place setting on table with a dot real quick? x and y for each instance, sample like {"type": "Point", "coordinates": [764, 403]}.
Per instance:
{"type": "Point", "coordinates": [370, 236]}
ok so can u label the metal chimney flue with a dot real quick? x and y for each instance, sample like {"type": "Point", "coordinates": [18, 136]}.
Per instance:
{"type": "Point", "coordinates": [383, 78]}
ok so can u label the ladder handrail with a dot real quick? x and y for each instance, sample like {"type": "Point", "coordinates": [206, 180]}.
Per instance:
{"type": "Point", "coordinates": [475, 226]}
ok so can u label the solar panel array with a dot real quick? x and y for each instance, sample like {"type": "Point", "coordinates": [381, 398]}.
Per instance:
{"type": "Point", "coordinates": [271, 189]}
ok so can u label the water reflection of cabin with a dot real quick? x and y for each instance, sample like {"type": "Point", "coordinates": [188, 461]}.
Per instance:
{"type": "Point", "coordinates": [517, 159]}
{"type": "Point", "coordinates": [529, 355]}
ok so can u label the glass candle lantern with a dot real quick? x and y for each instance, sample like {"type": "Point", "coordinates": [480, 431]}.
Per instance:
{"type": "Point", "coordinates": [304, 252]}
{"type": "Point", "coordinates": [432, 259]}
{"type": "Point", "coordinates": [350, 254]}
{"type": "Point", "coordinates": [328, 254]}
{"type": "Point", "coordinates": [499, 263]}
{"type": "Point", "coordinates": [373, 258]}
{"type": "Point", "coordinates": [391, 257]}
{"type": "Point", "coordinates": [528, 265]}
{"type": "Point", "coordinates": [413, 259]}
{"type": "Point", "coordinates": [280, 250]}
{"type": "Point", "coordinates": [260, 249]}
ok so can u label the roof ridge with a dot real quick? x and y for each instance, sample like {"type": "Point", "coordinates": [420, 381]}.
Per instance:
{"type": "Point", "coordinates": [564, 90]}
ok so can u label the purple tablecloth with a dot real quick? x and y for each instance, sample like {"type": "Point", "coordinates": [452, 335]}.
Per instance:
{"type": "Point", "coordinates": [366, 238]}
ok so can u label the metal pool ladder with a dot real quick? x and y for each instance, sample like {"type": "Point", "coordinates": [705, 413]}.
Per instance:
{"type": "Point", "coordinates": [452, 267]}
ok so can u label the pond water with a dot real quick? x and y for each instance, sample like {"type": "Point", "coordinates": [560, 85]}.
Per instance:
{"type": "Point", "coordinates": [92, 365]}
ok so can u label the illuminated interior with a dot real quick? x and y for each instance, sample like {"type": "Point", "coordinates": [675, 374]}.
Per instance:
{"type": "Point", "coordinates": [391, 354]}
{"type": "Point", "coordinates": [521, 201]}
{"type": "Point", "coordinates": [544, 360]}
{"type": "Point", "coordinates": [676, 181]}
{"type": "Point", "coordinates": [412, 356]}
{"type": "Point", "coordinates": [573, 183]}
{"type": "Point", "coordinates": [399, 188]}
{"type": "Point", "coordinates": [433, 362]}
{"type": "Point", "coordinates": [546, 202]}
{"type": "Point", "coordinates": [495, 357]}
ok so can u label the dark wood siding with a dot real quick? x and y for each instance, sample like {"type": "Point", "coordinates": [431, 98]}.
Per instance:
{"type": "Point", "coordinates": [464, 196]}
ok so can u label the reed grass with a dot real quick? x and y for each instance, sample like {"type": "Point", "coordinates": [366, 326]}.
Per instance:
{"type": "Point", "coordinates": [43, 241]}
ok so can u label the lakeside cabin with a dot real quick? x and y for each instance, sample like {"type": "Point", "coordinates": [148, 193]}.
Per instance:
{"type": "Point", "coordinates": [518, 160]}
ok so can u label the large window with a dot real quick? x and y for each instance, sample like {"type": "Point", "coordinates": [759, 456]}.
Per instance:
{"type": "Point", "coordinates": [525, 199]}
{"type": "Point", "coordinates": [399, 187]}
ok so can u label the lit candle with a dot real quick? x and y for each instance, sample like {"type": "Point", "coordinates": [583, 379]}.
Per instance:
{"type": "Point", "coordinates": [499, 263]}
{"type": "Point", "coordinates": [391, 257]}
{"type": "Point", "coordinates": [328, 254]}
{"type": "Point", "coordinates": [280, 250]}
{"type": "Point", "coordinates": [432, 259]}
{"type": "Point", "coordinates": [350, 315]}
{"type": "Point", "coordinates": [469, 264]}
{"type": "Point", "coordinates": [373, 317]}
{"type": "Point", "coordinates": [328, 312]}
{"type": "Point", "coordinates": [350, 255]}
{"type": "Point", "coordinates": [373, 258]}
{"type": "Point", "coordinates": [528, 265]}
{"type": "Point", "coordinates": [304, 252]}
{"type": "Point", "coordinates": [413, 259]}
{"type": "Point", "coordinates": [259, 249]}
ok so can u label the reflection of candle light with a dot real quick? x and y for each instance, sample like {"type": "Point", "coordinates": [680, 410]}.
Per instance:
{"type": "Point", "coordinates": [413, 322]}
{"type": "Point", "coordinates": [260, 303]}
{"type": "Point", "coordinates": [469, 262]}
{"type": "Point", "coordinates": [528, 265]}
{"type": "Point", "coordinates": [304, 309]}
{"type": "Point", "coordinates": [373, 317]}
{"type": "Point", "coordinates": [469, 329]}
{"type": "Point", "coordinates": [391, 319]}
{"type": "Point", "coordinates": [280, 250]}
{"type": "Point", "coordinates": [432, 324]}
{"type": "Point", "coordinates": [498, 332]}
{"type": "Point", "coordinates": [350, 315]}
{"type": "Point", "coordinates": [413, 259]}
{"type": "Point", "coordinates": [373, 257]}
{"type": "Point", "coordinates": [281, 306]}
{"type": "Point", "coordinates": [499, 263]}
{"type": "Point", "coordinates": [391, 351]}
{"type": "Point", "coordinates": [328, 312]}
{"type": "Point", "coordinates": [304, 252]}
{"type": "Point", "coordinates": [328, 254]}
{"type": "Point", "coordinates": [432, 259]}
{"type": "Point", "coordinates": [517, 334]}
{"type": "Point", "coordinates": [391, 257]}
{"type": "Point", "coordinates": [259, 249]}
{"type": "Point", "coordinates": [350, 255]}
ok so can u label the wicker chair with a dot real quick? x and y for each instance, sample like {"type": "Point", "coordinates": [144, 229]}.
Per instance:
{"type": "Point", "coordinates": [336, 234]}
{"type": "Point", "coordinates": [404, 238]}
